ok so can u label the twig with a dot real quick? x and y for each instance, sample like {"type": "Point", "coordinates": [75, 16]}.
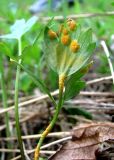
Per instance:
{"type": "Point", "coordinates": [104, 100]}
{"type": "Point", "coordinates": [38, 99]}
{"type": "Point", "coordinates": [106, 51]}
{"type": "Point", "coordinates": [47, 145]}
{"type": "Point", "coordinates": [44, 97]}
{"type": "Point", "coordinates": [23, 119]}
{"type": "Point", "coordinates": [93, 93]}
{"type": "Point", "coordinates": [25, 131]}
{"type": "Point", "coordinates": [18, 151]}
{"type": "Point", "coordinates": [56, 142]}
{"type": "Point", "coordinates": [25, 152]}
{"type": "Point", "coordinates": [10, 150]}
{"type": "Point", "coordinates": [107, 105]}
{"type": "Point", "coordinates": [84, 93]}
{"type": "Point", "coordinates": [76, 16]}
{"type": "Point", "coordinates": [55, 134]}
{"type": "Point", "coordinates": [99, 80]}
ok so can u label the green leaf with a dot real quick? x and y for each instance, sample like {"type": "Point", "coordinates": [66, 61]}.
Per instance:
{"type": "Point", "coordinates": [80, 73]}
{"type": "Point", "coordinates": [73, 88]}
{"type": "Point", "coordinates": [19, 28]}
{"type": "Point", "coordinates": [30, 50]}
{"type": "Point", "coordinates": [78, 111]}
{"type": "Point", "coordinates": [76, 34]}
{"type": "Point", "coordinates": [4, 49]}
{"type": "Point", "coordinates": [91, 48]}
{"type": "Point", "coordinates": [85, 39]}
{"type": "Point", "coordinates": [74, 85]}
{"type": "Point", "coordinates": [25, 82]}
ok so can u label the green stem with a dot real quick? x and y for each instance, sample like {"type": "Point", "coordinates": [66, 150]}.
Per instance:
{"type": "Point", "coordinates": [4, 97]}
{"type": "Point", "coordinates": [50, 126]}
{"type": "Point", "coordinates": [16, 104]}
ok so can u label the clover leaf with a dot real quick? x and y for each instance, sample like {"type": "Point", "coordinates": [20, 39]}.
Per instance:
{"type": "Point", "coordinates": [19, 28]}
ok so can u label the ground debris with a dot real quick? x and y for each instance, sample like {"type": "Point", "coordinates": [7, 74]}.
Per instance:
{"type": "Point", "coordinates": [86, 142]}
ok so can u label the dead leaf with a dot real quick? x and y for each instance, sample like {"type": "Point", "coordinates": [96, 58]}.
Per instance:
{"type": "Point", "coordinates": [86, 140]}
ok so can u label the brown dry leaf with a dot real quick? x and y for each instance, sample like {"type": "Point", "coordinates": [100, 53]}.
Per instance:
{"type": "Point", "coordinates": [85, 142]}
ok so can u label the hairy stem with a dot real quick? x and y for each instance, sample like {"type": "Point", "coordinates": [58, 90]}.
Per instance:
{"type": "Point", "coordinates": [54, 119]}
{"type": "Point", "coordinates": [16, 104]}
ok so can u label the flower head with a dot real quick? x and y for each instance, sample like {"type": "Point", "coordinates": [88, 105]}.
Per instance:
{"type": "Point", "coordinates": [71, 24]}
{"type": "Point", "coordinates": [52, 34]}
{"type": "Point", "coordinates": [74, 46]}
{"type": "Point", "coordinates": [65, 39]}
{"type": "Point", "coordinates": [69, 49]}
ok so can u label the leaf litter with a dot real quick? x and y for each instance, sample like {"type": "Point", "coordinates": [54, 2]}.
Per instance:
{"type": "Point", "coordinates": [87, 140]}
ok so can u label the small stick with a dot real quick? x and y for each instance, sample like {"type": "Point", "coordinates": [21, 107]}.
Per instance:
{"type": "Point", "coordinates": [75, 16]}
{"type": "Point", "coordinates": [106, 51]}
{"type": "Point", "coordinates": [18, 151]}
{"type": "Point", "coordinates": [38, 99]}
{"type": "Point", "coordinates": [99, 80]}
{"type": "Point", "coordinates": [55, 93]}
{"type": "Point", "coordinates": [104, 105]}
{"type": "Point", "coordinates": [55, 134]}
{"type": "Point", "coordinates": [95, 94]}
{"type": "Point", "coordinates": [47, 145]}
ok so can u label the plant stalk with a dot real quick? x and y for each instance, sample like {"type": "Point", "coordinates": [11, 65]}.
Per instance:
{"type": "Point", "coordinates": [54, 119]}
{"type": "Point", "coordinates": [16, 103]}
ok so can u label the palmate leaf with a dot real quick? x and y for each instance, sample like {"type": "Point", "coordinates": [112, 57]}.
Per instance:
{"type": "Point", "coordinates": [19, 28]}
{"type": "Point", "coordinates": [28, 50]}
{"type": "Point", "coordinates": [80, 73]}
{"type": "Point", "coordinates": [82, 59]}
{"type": "Point", "coordinates": [73, 89]}
{"type": "Point", "coordinates": [73, 84]}
{"type": "Point", "coordinates": [4, 49]}
{"type": "Point", "coordinates": [72, 110]}
{"type": "Point", "coordinates": [60, 57]}
{"type": "Point", "coordinates": [85, 39]}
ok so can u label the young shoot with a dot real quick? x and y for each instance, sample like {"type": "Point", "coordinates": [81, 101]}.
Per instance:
{"type": "Point", "coordinates": [18, 29]}
{"type": "Point", "coordinates": [68, 51]}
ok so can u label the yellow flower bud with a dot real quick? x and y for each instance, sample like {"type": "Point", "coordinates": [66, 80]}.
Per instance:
{"type": "Point", "coordinates": [74, 46]}
{"type": "Point", "coordinates": [65, 31]}
{"type": "Point", "coordinates": [52, 34]}
{"type": "Point", "coordinates": [72, 25]}
{"type": "Point", "coordinates": [65, 39]}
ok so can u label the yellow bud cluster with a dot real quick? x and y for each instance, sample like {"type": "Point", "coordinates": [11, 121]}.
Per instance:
{"type": "Point", "coordinates": [65, 35]}
{"type": "Point", "coordinates": [74, 46]}
{"type": "Point", "coordinates": [65, 31]}
{"type": "Point", "coordinates": [52, 34]}
{"type": "Point", "coordinates": [72, 25]}
{"type": "Point", "coordinates": [65, 39]}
